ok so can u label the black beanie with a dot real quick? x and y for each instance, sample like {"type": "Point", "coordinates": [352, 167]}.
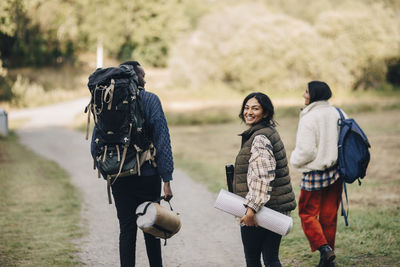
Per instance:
{"type": "Point", "coordinates": [318, 91]}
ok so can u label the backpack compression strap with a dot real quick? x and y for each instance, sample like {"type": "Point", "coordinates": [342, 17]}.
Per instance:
{"type": "Point", "coordinates": [108, 95]}
{"type": "Point", "coordinates": [87, 110]}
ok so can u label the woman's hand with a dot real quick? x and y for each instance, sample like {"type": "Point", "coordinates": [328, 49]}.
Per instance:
{"type": "Point", "coordinates": [249, 219]}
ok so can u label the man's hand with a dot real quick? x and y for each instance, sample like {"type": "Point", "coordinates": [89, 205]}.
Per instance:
{"type": "Point", "coordinates": [167, 191]}
{"type": "Point", "coordinates": [249, 219]}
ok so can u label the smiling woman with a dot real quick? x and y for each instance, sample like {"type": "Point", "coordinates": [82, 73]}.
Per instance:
{"type": "Point", "coordinates": [253, 112]}
{"type": "Point", "coordinates": [261, 176]}
{"type": "Point", "coordinates": [257, 107]}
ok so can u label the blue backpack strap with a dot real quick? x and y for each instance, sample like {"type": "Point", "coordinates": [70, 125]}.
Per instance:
{"type": "Point", "coordinates": [344, 213]}
{"type": "Point", "coordinates": [341, 114]}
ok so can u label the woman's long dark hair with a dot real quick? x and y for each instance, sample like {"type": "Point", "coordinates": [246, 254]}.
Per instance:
{"type": "Point", "coordinates": [266, 105]}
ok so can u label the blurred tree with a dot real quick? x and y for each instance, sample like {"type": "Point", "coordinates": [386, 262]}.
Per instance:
{"type": "Point", "coordinates": [264, 51]}
{"type": "Point", "coordinates": [5, 88]}
{"type": "Point", "coordinates": [338, 43]}
{"type": "Point", "coordinates": [6, 28]}
{"type": "Point", "coordinates": [393, 75]}
{"type": "Point", "coordinates": [365, 44]}
{"type": "Point", "coordinates": [142, 29]}
{"type": "Point", "coordinates": [43, 32]}
{"type": "Point", "coordinates": [6, 25]}
{"type": "Point", "coordinates": [33, 34]}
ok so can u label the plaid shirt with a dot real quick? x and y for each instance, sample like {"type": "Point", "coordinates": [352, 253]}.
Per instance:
{"type": "Point", "coordinates": [261, 173]}
{"type": "Point", "coordinates": [316, 180]}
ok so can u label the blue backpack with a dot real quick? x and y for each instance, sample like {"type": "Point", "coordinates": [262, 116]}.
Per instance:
{"type": "Point", "coordinates": [353, 150]}
{"type": "Point", "coordinates": [353, 153]}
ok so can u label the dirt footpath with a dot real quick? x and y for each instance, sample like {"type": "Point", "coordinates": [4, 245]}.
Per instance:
{"type": "Point", "coordinates": [207, 238]}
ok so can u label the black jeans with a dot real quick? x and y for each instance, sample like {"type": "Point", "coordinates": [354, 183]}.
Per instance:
{"type": "Point", "coordinates": [129, 193]}
{"type": "Point", "coordinates": [257, 241]}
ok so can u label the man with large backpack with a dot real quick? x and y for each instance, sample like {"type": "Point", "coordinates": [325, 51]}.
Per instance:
{"type": "Point", "coordinates": [131, 149]}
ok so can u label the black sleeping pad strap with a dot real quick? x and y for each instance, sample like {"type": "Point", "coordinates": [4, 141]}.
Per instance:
{"type": "Point", "coordinates": [145, 209]}
{"type": "Point", "coordinates": [165, 231]}
{"type": "Point", "coordinates": [150, 202]}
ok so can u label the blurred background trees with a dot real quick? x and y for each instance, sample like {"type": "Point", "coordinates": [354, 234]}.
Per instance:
{"type": "Point", "coordinates": [243, 45]}
{"type": "Point", "coordinates": [42, 32]}
{"type": "Point", "coordinates": [282, 44]}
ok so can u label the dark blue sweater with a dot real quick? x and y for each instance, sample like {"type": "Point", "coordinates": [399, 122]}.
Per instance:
{"type": "Point", "coordinates": [155, 119]}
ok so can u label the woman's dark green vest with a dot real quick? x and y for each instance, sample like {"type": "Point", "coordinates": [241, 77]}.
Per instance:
{"type": "Point", "coordinates": [282, 196]}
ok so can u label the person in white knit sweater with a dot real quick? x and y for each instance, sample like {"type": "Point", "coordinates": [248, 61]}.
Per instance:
{"type": "Point", "coordinates": [315, 156]}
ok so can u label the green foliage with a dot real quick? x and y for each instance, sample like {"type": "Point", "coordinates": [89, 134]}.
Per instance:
{"type": "Point", "coordinates": [143, 30]}
{"type": "Point", "coordinates": [44, 32]}
{"type": "Point", "coordinates": [6, 25]}
{"type": "Point", "coordinates": [365, 44]}
{"type": "Point", "coordinates": [35, 33]}
{"type": "Point", "coordinates": [25, 92]}
{"type": "Point", "coordinates": [44, 86]}
{"type": "Point", "coordinates": [278, 47]}
{"type": "Point", "coordinates": [5, 89]}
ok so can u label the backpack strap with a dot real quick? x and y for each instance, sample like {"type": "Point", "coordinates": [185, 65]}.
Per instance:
{"type": "Point", "coordinates": [343, 212]}
{"type": "Point", "coordinates": [97, 109]}
{"type": "Point", "coordinates": [153, 152]}
{"type": "Point", "coordinates": [105, 153]}
{"type": "Point", "coordinates": [96, 158]}
{"type": "Point", "coordinates": [88, 110]}
{"type": "Point", "coordinates": [118, 153]}
{"type": "Point", "coordinates": [123, 155]}
{"type": "Point", "coordinates": [109, 189]}
{"type": "Point", "coordinates": [341, 116]}
{"type": "Point", "coordinates": [108, 95]}
{"type": "Point", "coordinates": [138, 150]}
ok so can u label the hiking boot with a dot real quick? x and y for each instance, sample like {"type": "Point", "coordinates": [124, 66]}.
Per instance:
{"type": "Point", "coordinates": [323, 263]}
{"type": "Point", "coordinates": [327, 256]}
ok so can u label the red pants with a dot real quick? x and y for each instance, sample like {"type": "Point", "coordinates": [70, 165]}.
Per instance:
{"type": "Point", "coordinates": [318, 214]}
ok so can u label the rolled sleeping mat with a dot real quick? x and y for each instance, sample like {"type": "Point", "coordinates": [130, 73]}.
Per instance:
{"type": "Point", "coordinates": [266, 217]}
{"type": "Point", "coordinates": [157, 220]}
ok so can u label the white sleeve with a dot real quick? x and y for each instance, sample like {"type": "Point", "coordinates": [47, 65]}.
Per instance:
{"type": "Point", "coordinates": [306, 146]}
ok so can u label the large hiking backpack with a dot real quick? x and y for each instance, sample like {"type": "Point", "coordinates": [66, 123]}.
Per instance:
{"type": "Point", "coordinates": [122, 144]}
{"type": "Point", "coordinates": [353, 154]}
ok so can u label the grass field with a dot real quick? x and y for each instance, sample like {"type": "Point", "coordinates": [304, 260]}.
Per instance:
{"type": "Point", "coordinates": [373, 237]}
{"type": "Point", "coordinates": [39, 209]}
